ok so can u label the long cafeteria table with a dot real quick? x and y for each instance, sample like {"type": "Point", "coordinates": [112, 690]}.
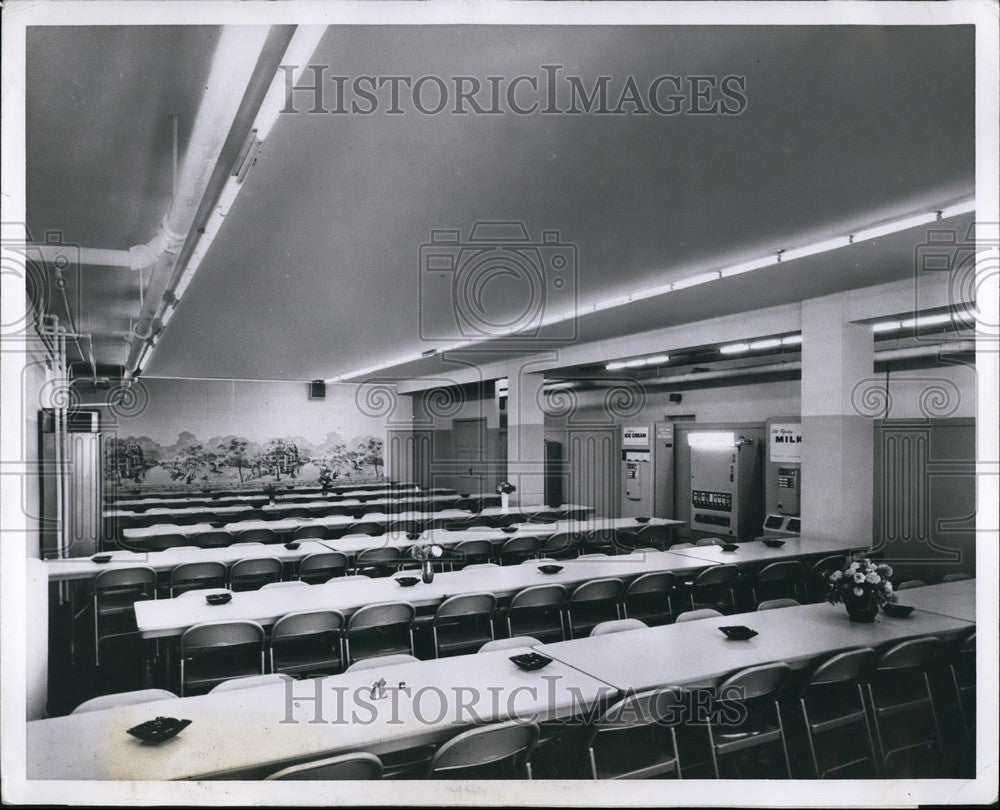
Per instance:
{"type": "Point", "coordinates": [247, 733]}
{"type": "Point", "coordinates": [698, 652]}
{"type": "Point", "coordinates": [955, 599]}
{"type": "Point", "coordinates": [170, 617]}
{"type": "Point", "coordinates": [180, 493]}
{"type": "Point", "coordinates": [281, 499]}
{"type": "Point", "coordinates": [137, 535]}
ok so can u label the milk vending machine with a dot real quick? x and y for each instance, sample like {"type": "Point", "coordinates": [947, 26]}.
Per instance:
{"type": "Point", "coordinates": [726, 498]}
{"type": "Point", "coordinates": [647, 470]}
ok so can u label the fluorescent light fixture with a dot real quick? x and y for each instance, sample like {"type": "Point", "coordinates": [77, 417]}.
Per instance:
{"type": "Point", "coordinates": [635, 363]}
{"type": "Point", "coordinates": [813, 249]}
{"type": "Point", "coordinates": [895, 226]}
{"type": "Point", "coordinates": [658, 358]}
{"type": "Point", "coordinates": [791, 340]}
{"type": "Point", "coordinates": [711, 438]}
{"type": "Point", "coordinates": [694, 281]}
{"type": "Point", "coordinates": [770, 343]}
{"type": "Point", "coordinates": [746, 267]}
{"type": "Point", "coordinates": [299, 52]}
{"type": "Point", "coordinates": [963, 207]}
{"type": "Point", "coordinates": [886, 326]}
{"type": "Point", "coordinates": [935, 319]}
{"type": "Point", "coordinates": [615, 366]}
{"type": "Point", "coordinates": [734, 348]}
{"type": "Point", "coordinates": [926, 320]}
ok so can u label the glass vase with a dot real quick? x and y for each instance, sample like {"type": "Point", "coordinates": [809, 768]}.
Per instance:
{"type": "Point", "coordinates": [427, 572]}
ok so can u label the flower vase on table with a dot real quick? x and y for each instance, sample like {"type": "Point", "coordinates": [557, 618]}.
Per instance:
{"type": "Point", "coordinates": [504, 490]}
{"type": "Point", "coordinates": [426, 552]}
{"type": "Point", "coordinates": [427, 572]}
{"type": "Point", "coordinates": [863, 587]}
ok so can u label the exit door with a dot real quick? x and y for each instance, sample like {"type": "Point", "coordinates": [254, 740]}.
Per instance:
{"type": "Point", "coordinates": [469, 436]}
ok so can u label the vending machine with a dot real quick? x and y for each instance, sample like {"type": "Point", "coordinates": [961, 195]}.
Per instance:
{"type": "Point", "coordinates": [726, 495]}
{"type": "Point", "coordinates": [647, 459]}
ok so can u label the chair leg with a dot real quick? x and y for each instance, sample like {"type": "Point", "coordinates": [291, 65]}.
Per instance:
{"type": "Point", "coordinates": [593, 762]}
{"type": "Point", "coordinates": [677, 752]}
{"type": "Point", "coordinates": [97, 636]}
{"type": "Point", "coordinates": [868, 731]}
{"type": "Point", "coordinates": [934, 717]}
{"type": "Point", "coordinates": [434, 635]}
{"type": "Point", "coordinates": [711, 750]}
{"type": "Point", "coordinates": [878, 731]}
{"type": "Point", "coordinates": [781, 736]}
{"type": "Point", "coordinates": [809, 739]}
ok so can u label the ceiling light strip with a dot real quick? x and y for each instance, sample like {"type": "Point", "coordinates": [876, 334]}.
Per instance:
{"type": "Point", "coordinates": [964, 206]}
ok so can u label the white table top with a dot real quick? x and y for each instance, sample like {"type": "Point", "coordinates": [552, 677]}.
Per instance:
{"type": "Point", "coordinates": [756, 552]}
{"type": "Point", "coordinates": [955, 599]}
{"type": "Point", "coordinates": [170, 617]}
{"type": "Point", "coordinates": [698, 653]}
{"type": "Point", "coordinates": [241, 730]}
{"type": "Point", "coordinates": [85, 568]}
{"type": "Point", "coordinates": [330, 520]}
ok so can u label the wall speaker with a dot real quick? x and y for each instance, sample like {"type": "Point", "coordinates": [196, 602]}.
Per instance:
{"type": "Point", "coordinates": [317, 389]}
{"type": "Point", "coordinates": [676, 398]}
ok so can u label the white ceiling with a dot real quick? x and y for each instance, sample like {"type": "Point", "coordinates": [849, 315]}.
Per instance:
{"type": "Point", "coordinates": [316, 271]}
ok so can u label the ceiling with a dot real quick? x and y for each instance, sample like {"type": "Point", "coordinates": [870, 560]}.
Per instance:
{"type": "Point", "coordinates": [317, 270]}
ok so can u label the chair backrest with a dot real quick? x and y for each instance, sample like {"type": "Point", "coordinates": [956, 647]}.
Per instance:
{"type": "Point", "coordinates": [718, 575]}
{"type": "Point", "coordinates": [360, 766]}
{"type": "Point", "coordinates": [473, 551]}
{"type": "Point", "coordinates": [256, 536]}
{"type": "Point", "coordinates": [141, 578]}
{"type": "Point", "coordinates": [755, 682]}
{"type": "Point", "coordinates": [955, 577]}
{"type": "Point", "coordinates": [911, 583]}
{"type": "Point", "coordinates": [254, 568]}
{"type": "Point", "coordinates": [214, 539]}
{"type": "Point", "coordinates": [775, 604]}
{"type": "Point", "coordinates": [315, 532]}
{"type": "Point", "coordinates": [823, 568]}
{"type": "Point", "coordinates": [250, 682]}
{"type": "Point", "coordinates": [696, 615]}
{"type": "Point", "coordinates": [484, 746]}
{"type": "Point", "coordinates": [383, 661]}
{"type": "Point", "coordinates": [322, 565]}
{"type": "Point", "coordinates": [593, 556]}
{"type": "Point", "coordinates": [709, 541]}
{"type": "Point", "coordinates": [559, 542]}
{"type": "Point", "coordinates": [537, 596]}
{"type": "Point", "coordinates": [381, 615]}
{"type": "Point", "coordinates": [598, 590]}
{"type": "Point", "coordinates": [618, 626]}
{"type": "Point", "coordinates": [123, 699]}
{"type": "Point", "coordinates": [294, 512]}
{"type": "Point", "coordinates": [654, 535]}
{"type": "Point", "coordinates": [786, 570]}
{"type": "Point", "coordinates": [662, 582]}
{"type": "Point", "coordinates": [404, 527]}
{"type": "Point", "coordinates": [162, 542]}
{"type": "Point", "coordinates": [466, 605]}
{"type": "Point", "coordinates": [479, 565]}
{"type": "Point", "coordinates": [194, 573]}
{"type": "Point", "coordinates": [600, 538]}
{"type": "Point", "coordinates": [509, 643]}
{"type": "Point", "coordinates": [682, 545]}
{"type": "Point", "coordinates": [370, 527]}
{"type": "Point", "coordinates": [306, 623]}
{"type": "Point", "coordinates": [510, 519]}
{"type": "Point", "coordinates": [843, 667]}
{"type": "Point", "coordinates": [518, 547]}
{"type": "Point", "coordinates": [291, 584]}
{"type": "Point", "coordinates": [221, 634]}
{"type": "Point", "coordinates": [378, 555]}
{"type": "Point", "coordinates": [659, 706]}
{"type": "Point", "coordinates": [913, 654]}
{"type": "Point", "coordinates": [246, 545]}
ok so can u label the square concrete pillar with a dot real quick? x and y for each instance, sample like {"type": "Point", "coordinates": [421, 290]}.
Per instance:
{"type": "Point", "coordinates": [526, 437]}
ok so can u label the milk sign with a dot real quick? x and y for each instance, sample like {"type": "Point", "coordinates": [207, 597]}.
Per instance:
{"type": "Point", "coordinates": [786, 443]}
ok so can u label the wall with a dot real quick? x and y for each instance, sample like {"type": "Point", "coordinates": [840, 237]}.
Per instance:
{"type": "Point", "coordinates": [158, 427]}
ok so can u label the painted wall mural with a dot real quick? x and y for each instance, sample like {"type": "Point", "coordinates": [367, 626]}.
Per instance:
{"type": "Point", "coordinates": [198, 434]}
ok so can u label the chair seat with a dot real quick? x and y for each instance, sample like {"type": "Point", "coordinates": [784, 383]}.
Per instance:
{"type": "Point", "coordinates": [210, 670]}
{"type": "Point", "coordinates": [306, 656]}
{"type": "Point", "coordinates": [374, 644]}
{"type": "Point", "coordinates": [827, 719]}
{"type": "Point", "coordinates": [111, 603]}
{"type": "Point", "coordinates": [451, 640]}
{"type": "Point", "coordinates": [735, 739]}
{"type": "Point", "coordinates": [625, 762]}
{"type": "Point", "coordinates": [902, 706]}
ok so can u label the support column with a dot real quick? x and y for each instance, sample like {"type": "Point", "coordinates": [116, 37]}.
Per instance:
{"type": "Point", "coordinates": [526, 437]}
{"type": "Point", "coordinates": [837, 441]}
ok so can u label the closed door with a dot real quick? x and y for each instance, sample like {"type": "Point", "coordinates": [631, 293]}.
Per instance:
{"type": "Point", "coordinates": [593, 470]}
{"type": "Point", "coordinates": [469, 437]}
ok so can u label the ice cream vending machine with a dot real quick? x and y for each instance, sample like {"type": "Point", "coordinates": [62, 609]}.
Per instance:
{"type": "Point", "coordinates": [726, 496]}
{"type": "Point", "coordinates": [647, 462]}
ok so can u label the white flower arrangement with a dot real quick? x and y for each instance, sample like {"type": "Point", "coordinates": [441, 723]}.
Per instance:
{"type": "Point", "coordinates": [426, 550]}
{"type": "Point", "coordinates": [860, 580]}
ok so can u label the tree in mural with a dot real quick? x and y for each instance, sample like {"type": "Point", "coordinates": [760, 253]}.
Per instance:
{"type": "Point", "coordinates": [234, 454]}
{"type": "Point", "coordinates": [337, 458]}
{"type": "Point", "coordinates": [194, 462]}
{"type": "Point", "coordinates": [280, 457]}
{"type": "Point", "coordinates": [125, 460]}
{"type": "Point", "coordinates": [370, 452]}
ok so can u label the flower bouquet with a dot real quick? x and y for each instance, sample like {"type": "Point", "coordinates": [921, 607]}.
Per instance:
{"type": "Point", "coordinates": [271, 490]}
{"type": "Point", "coordinates": [504, 490]}
{"type": "Point", "coordinates": [862, 587]}
{"type": "Point", "coordinates": [426, 552]}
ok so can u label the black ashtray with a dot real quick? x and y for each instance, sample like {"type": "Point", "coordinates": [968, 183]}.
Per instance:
{"type": "Point", "coordinates": [464, 494]}
{"type": "Point", "coordinates": [217, 524]}
{"type": "Point", "coordinates": [407, 582]}
{"type": "Point", "coordinates": [730, 546]}
{"type": "Point", "coordinates": [159, 729]}
{"type": "Point", "coordinates": [530, 661]}
{"type": "Point", "coordinates": [774, 542]}
{"type": "Point", "coordinates": [550, 569]}
{"type": "Point", "coordinates": [291, 545]}
{"type": "Point", "coordinates": [218, 598]}
{"type": "Point", "coordinates": [413, 535]}
{"type": "Point", "coordinates": [897, 611]}
{"type": "Point", "coordinates": [642, 520]}
{"type": "Point", "coordinates": [737, 632]}
{"type": "Point", "coordinates": [508, 529]}
{"type": "Point", "coordinates": [101, 558]}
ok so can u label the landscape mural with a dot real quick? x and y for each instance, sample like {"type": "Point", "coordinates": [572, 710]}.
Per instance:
{"type": "Point", "coordinates": [231, 434]}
